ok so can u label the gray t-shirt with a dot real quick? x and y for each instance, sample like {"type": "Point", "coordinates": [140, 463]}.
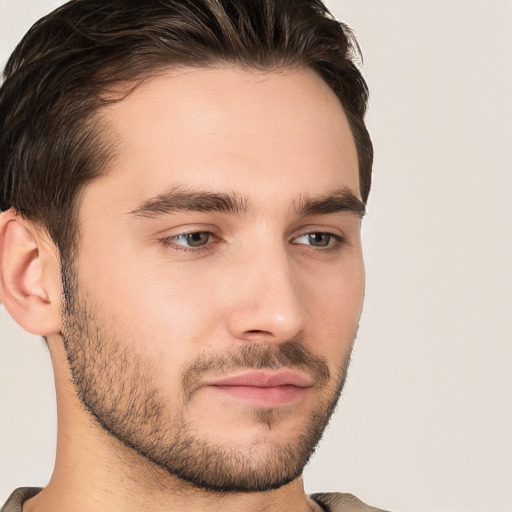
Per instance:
{"type": "Point", "coordinates": [331, 502]}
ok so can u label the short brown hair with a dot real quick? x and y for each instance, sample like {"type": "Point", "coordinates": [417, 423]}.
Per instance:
{"type": "Point", "coordinates": [54, 84]}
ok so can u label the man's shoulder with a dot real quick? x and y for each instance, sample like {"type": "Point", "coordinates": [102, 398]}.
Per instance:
{"type": "Point", "coordinates": [342, 502]}
{"type": "Point", "coordinates": [15, 501]}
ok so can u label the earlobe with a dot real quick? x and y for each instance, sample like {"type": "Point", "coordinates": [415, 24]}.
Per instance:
{"type": "Point", "coordinates": [26, 289]}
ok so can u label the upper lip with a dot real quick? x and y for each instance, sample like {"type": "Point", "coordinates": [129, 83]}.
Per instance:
{"type": "Point", "coordinates": [265, 379]}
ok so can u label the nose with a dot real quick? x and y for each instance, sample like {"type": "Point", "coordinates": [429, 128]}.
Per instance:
{"type": "Point", "coordinates": [267, 306]}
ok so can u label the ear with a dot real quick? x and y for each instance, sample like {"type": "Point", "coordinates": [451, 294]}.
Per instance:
{"type": "Point", "coordinates": [29, 275]}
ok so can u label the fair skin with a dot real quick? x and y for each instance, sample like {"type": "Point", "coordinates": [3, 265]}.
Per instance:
{"type": "Point", "coordinates": [272, 269]}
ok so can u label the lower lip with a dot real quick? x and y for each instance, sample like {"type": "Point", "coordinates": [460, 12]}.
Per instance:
{"type": "Point", "coordinates": [273, 396]}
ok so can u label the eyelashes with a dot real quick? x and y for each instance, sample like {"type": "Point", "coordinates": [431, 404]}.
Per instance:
{"type": "Point", "coordinates": [191, 242]}
{"type": "Point", "coordinates": [319, 239]}
{"type": "Point", "coordinates": [197, 241]}
{"type": "Point", "coordinates": [194, 239]}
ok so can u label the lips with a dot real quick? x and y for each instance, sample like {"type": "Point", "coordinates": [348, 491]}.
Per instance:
{"type": "Point", "coordinates": [266, 379]}
{"type": "Point", "coordinates": [264, 388]}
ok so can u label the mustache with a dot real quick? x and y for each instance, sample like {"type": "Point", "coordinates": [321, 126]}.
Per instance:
{"type": "Point", "coordinates": [291, 354]}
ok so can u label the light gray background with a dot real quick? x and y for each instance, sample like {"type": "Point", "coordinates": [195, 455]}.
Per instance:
{"type": "Point", "coordinates": [425, 423]}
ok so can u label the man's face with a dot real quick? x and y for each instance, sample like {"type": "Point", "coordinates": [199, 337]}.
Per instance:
{"type": "Point", "coordinates": [216, 296]}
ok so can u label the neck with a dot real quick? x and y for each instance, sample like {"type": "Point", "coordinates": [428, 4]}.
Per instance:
{"type": "Point", "coordinates": [85, 481]}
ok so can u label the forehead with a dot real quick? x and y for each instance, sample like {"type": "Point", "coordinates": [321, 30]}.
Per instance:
{"type": "Point", "coordinates": [230, 129]}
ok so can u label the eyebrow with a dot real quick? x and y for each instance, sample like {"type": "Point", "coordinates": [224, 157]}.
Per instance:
{"type": "Point", "coordinates": [180, 199]}
{"type": "Point", "coordinates": [341, 200]}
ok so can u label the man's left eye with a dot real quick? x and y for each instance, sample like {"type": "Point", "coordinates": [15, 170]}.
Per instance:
{"type": "Point", "coordinates": [318, 239]}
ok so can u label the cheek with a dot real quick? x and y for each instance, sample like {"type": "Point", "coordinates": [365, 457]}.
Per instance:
{"type": "Point", "coordinates": [174, 309]}
{"type": "Point", "coordinates": [162, 312]}
{"type": "Point", "coordinates": [334, 306]}
{"type": "Point", "coordinates": [338, 288]}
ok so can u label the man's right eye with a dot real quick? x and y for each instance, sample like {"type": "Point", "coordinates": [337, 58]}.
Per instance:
{"type": "Point", "coordinates": [193, 240]}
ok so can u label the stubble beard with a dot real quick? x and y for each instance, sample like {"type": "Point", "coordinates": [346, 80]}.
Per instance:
{"type": "Point", "coordinates": [116, 386]}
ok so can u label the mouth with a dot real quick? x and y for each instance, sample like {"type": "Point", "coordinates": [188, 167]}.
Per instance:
{"type": "Point", "coordinates": [264, 388]}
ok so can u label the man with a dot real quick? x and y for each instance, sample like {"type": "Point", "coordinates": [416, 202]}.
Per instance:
{"type": "Point", "coordinates": [183, 184]}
